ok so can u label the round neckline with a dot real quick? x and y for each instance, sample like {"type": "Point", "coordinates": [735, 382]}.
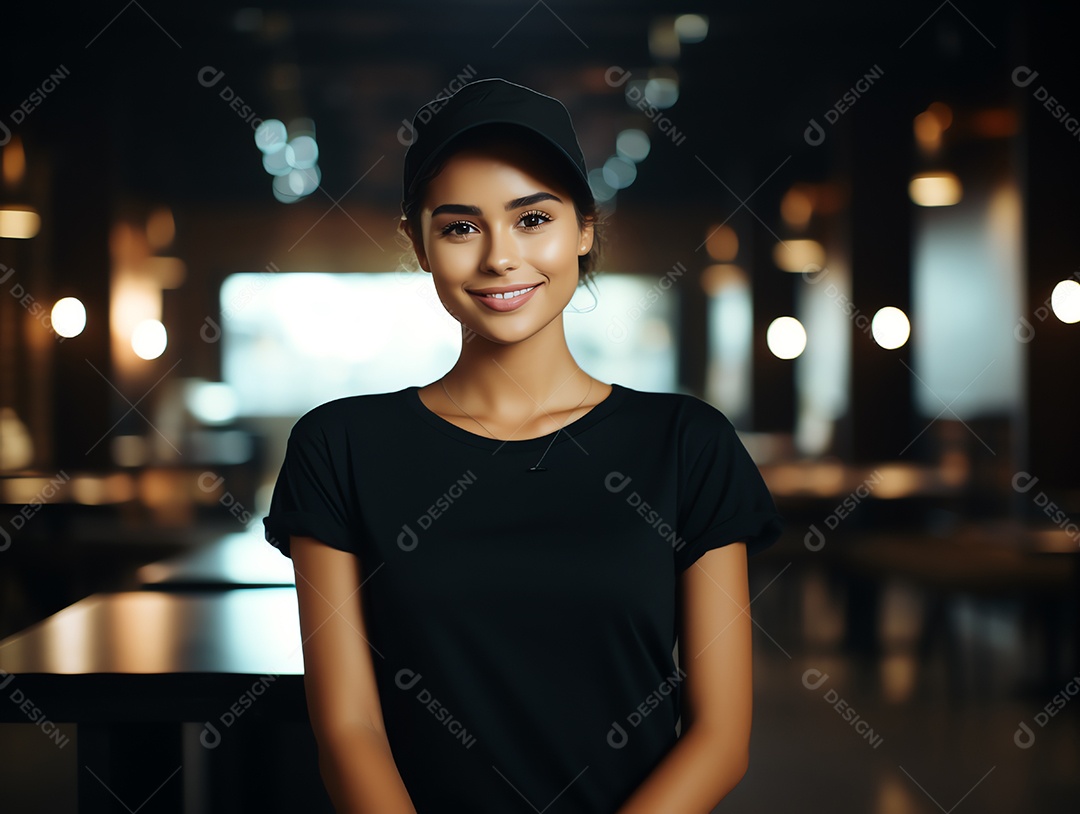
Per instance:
{"type": "Point", "coordinates": [595, 414]}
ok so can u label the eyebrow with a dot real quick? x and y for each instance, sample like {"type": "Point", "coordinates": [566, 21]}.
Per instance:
{"type": "Point", "coordinates": [517, 203]}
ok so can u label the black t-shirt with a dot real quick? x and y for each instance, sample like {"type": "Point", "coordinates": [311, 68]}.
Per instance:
{"type": "Point", "coordinates": [523, 622]}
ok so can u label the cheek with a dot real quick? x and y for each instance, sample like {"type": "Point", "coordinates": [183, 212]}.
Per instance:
{"type": "Point", "coordinates": [453, 259]}
{"type": "Point", "coordinates": [558, 251]}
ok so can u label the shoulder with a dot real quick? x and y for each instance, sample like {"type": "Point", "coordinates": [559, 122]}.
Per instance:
{"type": "Point", "coordinates": [689, 413]}
{"type": "Point", "coordinates": [342, 414]}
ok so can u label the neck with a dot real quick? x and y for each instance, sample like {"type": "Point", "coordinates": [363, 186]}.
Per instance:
{"type": "Point", "coordinates": [517, 378]}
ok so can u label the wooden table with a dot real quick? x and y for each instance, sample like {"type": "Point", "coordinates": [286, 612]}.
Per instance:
{"type": "Point", "coordinates": [129, 668]}
{"type": "Point", "coordinates": [999, 559]}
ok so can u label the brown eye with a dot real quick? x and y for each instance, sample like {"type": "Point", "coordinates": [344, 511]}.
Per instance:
{"type": "Point", "coordinates": [450, 228]}
{"type": "Point", "coordinates": [538, 219]}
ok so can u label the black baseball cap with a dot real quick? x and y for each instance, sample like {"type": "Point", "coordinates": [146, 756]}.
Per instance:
{"type": "Point", "coordinates": [488, 101]}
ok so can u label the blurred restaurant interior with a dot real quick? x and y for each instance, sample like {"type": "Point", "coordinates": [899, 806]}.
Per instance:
{"type": "Point", "coordinates": [850, 227]}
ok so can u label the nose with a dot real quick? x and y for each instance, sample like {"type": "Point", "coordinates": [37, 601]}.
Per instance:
{"type": "Point", "coordinates": [502, 252]}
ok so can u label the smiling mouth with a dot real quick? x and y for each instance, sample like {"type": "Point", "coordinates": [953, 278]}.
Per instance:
{"type": "Point", "coordinates": [508, 296]}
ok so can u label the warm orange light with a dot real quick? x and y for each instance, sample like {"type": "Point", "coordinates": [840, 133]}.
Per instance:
{"type": "Point", "coordinates": [722, 243]}
{"type": "Point", "coordinates": [796, 207]}
{"type": "Point", "coordinates": [994, 123]}
{"type": "Point", "coordinates": [716, 278]}
{"type": "Point", "coordinates": [796, 255]}
{"type": "Point", "coordinates": [160, 228]}
{"type": "Point", "coordinates": [942, 112]}
{"type": "Point", "coordinates": [931, 124]}
{"type": "Point", "coordinates": [167, 272]}
{"type": "Point", "coordinates": [21, 223]}
{"type": "Point", "coordinates": [935, 189]}
{"type": "Point", "coordinates": [14, 162]}
{"type": "Point", "coordinates": [928, 130]}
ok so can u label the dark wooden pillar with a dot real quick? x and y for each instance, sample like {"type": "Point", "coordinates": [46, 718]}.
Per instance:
{"type": "Point", "coordinates": [1049, 150]}
{"type": "Point", "coordinates": [773, 293]}
{"type": "Point", "coordinates": [881, 413]}
{"type": "Point", "coordinates": [80, 210]}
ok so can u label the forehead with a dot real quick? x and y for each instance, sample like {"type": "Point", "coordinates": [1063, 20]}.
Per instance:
{"type": "Point", "coordinates": [494, 165]}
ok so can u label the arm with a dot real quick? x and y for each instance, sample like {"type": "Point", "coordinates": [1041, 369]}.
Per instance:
{"type": "Point", "coordinates": [713, 752]}
{"type": "Point", "coordinates": [355, 760]}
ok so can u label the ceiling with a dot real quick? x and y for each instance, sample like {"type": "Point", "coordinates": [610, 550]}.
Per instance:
{"type": "Point", "coordinates": [358, 70]}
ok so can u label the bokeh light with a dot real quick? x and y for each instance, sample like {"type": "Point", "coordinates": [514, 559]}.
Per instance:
{"type": "Point", "coordinates": [1065, 301]}
{"type": "Point", "coordinates": [890, 327]}
{"type": "Point", "coordinates": [786, 337]}
{"type": "Point", "coordinates": [796, 255]}
{"type": "Point", "coordinates": [935, 189]}
{"type": "Point", "coordinates": [722, 243]}
{"type": "Point", "coordinates": [68, 317]}
{"type": "Point", "coordinates": [20, 223]}
{"type": "Point", "coordinates": [271, 136]}
{"type": "Point", "coordinates": [601, 189]}
{"type": "Point", "coordinates": [691, 27]}
{"type": "Point", "coordinates": [149, 339]}
{"type": "Point", "coordinates": [619, 173]}
{"type": "Point", "coordinates": [633, 144]}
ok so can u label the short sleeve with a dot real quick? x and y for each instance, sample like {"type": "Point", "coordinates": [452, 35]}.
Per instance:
{"type": "Point", "coordinates": [310, 495]}
{"type": "Point", "coordinates": [722, 497]}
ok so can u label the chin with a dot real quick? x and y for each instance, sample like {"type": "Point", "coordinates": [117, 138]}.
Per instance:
{"type": "Point", "coordinates": [504, 335]}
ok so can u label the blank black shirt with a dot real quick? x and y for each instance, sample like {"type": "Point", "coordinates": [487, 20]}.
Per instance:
{"type": "Point", "coordinates": [522, 623]}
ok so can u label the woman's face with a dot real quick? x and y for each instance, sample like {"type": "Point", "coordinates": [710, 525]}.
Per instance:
{"type": "Point", "coordinates": [492, 219]}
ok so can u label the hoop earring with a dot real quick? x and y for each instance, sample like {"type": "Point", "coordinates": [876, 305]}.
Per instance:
{"type": "Point", "coordinates": [596, 302]}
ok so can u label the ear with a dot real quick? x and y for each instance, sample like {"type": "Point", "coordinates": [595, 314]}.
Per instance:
{"type": "Point", "coordinates": [417, 245]}
{"type": "Point", "coordinates": [586, 237]}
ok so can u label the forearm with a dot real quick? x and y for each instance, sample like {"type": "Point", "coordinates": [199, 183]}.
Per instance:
{"type": "Point", "coordinates": [698, 772]}
{"type": "Point", "coordinates": [360, 775]}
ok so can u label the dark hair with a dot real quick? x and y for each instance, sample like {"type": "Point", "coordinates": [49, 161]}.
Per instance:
{"type": "Point", "coordinates": [555, 164]}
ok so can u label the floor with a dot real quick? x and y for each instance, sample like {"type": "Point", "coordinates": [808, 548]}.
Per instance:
{"type": "Point", "coordinates": [896, 733]}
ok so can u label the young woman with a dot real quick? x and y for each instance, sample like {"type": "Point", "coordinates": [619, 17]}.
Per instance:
{"type": "Point", "coordinates": [514, 581]}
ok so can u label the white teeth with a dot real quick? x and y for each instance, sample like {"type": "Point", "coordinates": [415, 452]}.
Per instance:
{"type": "Point", "coordinates": [509, 296]}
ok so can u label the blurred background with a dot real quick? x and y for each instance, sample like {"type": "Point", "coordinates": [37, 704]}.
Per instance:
{"type": "Point", "coordinates": [851, 227]}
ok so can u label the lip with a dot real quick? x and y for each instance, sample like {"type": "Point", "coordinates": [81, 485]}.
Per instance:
{"type": "Point", "coordinates": [506, 305]}
{"type": "Point", "coordinates": [505, 289]}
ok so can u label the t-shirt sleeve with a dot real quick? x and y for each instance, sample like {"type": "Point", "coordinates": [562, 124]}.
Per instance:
{"type": "Point", "coordinates": [722, 497]}
{"type": "Point", "coordinates": [310, 495]}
